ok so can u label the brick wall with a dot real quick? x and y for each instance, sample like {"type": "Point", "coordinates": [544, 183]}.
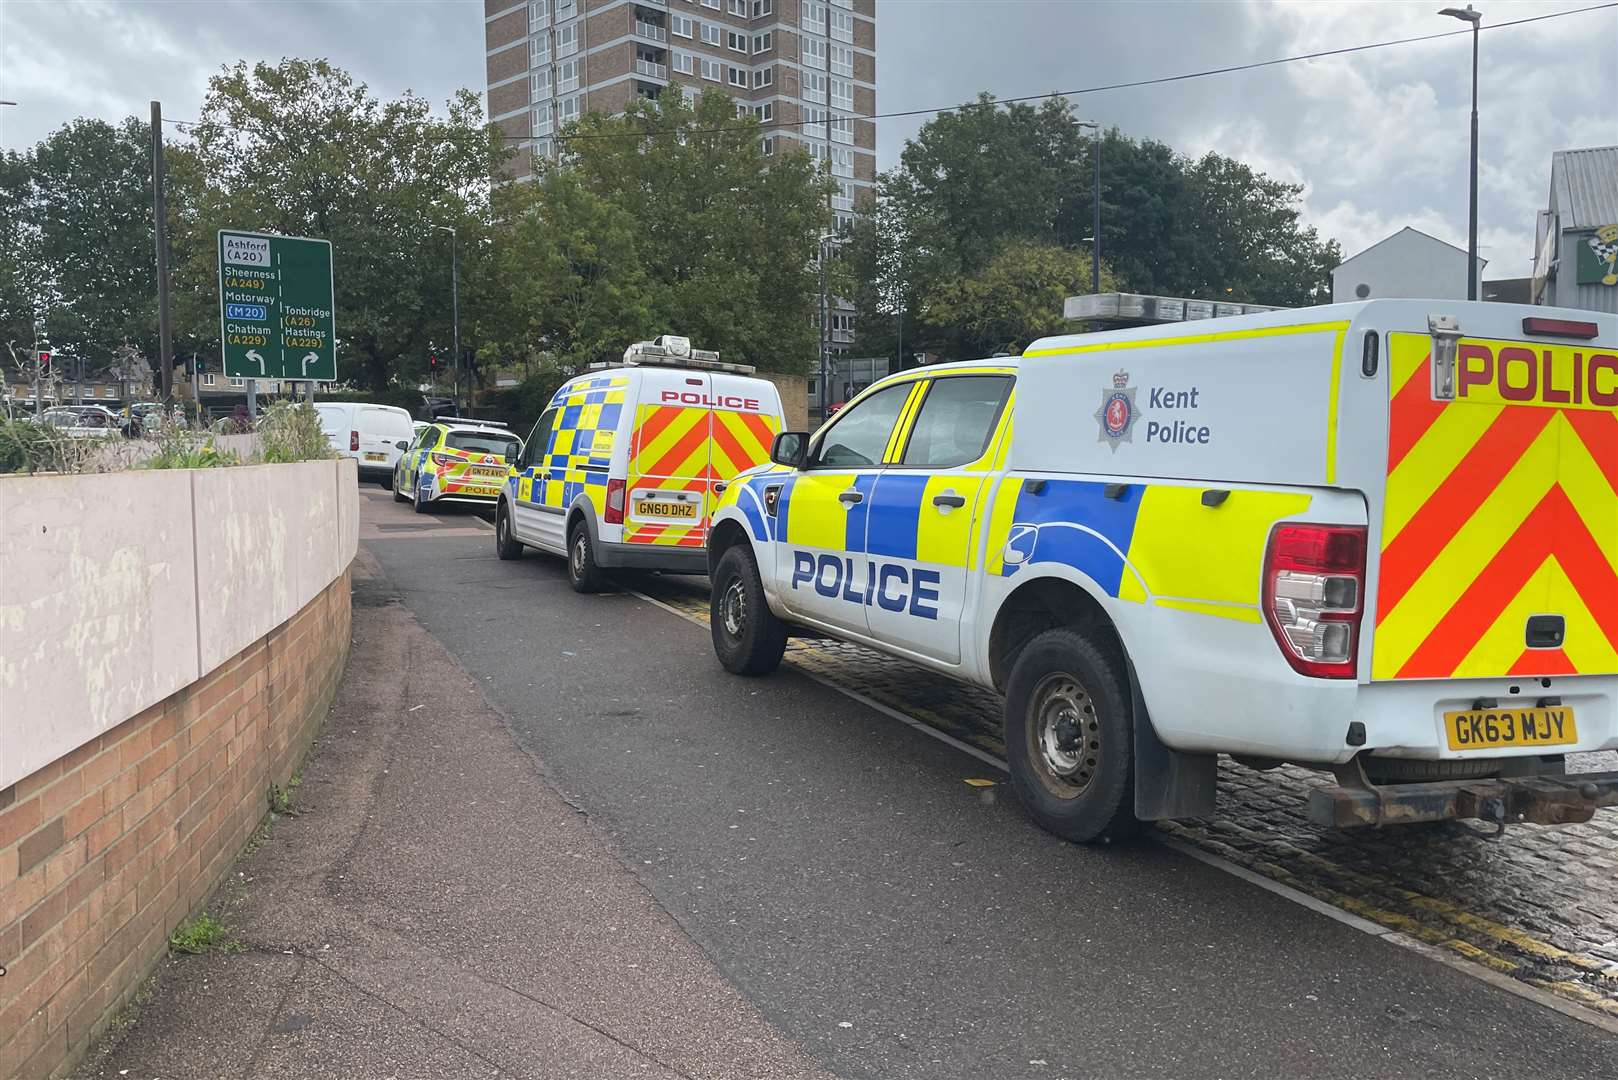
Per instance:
{"type": "Point", "coordinates": [107, 849]}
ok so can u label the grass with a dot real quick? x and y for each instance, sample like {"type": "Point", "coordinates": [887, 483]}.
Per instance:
{"type": "Point", "coordinates": [203, 934]}
{"type": "Point", "coordinates": [281, 797]}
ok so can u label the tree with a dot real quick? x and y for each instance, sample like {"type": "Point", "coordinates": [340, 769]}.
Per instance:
{"type": "Point", "coordinates": [303, 149]}
{"type": "Point", "coordinates": [574, 287]}
{"type": "Point", "coordinates": [1016, 298]}
{"type": "Point", "coordinates": [21, 284]}
{"type": "Point", "coordinates": [984, 179]}
{"type": "Point", "coordinates": [725, 235]}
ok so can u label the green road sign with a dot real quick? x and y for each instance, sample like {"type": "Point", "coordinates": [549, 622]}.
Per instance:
{"type": "Point", "coordinates": [276, 319]}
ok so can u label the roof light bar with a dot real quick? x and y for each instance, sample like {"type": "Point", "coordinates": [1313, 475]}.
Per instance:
{"type": "Point", "coordinates": [671, 351]}
{"type": "Point", "coordinates": [1568, 328]}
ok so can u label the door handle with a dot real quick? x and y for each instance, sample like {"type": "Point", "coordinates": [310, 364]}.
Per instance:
{"type": "Point", "coordinates": [949, 498]}
{"type": "Point", "coordinates": [850, 497]}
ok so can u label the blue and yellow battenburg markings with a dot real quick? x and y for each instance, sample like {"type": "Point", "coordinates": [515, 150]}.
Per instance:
{"type": "Point", "coordinates": [578, 451]}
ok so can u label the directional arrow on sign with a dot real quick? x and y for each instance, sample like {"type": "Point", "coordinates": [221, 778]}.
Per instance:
{"type": "Point", "coordinates": [257, 358]}
{"type": "Point", "coordinates": [313, 357]}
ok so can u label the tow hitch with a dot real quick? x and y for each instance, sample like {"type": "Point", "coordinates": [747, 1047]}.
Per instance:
{"type": "Point", "coordinates": [1542, 800]}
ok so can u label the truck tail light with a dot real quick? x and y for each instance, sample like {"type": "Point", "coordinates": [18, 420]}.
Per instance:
{"type": "Point", "coordinates": [615, 502]}
{"type": "Point", "coordinates": [1314, 596]}
{"type": "Point", "coordinates": [353, 440]}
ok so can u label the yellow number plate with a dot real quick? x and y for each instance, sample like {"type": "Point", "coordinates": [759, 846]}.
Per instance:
{"type": "Point", "coordinates": [1476, 729]}
{"type": "Point", "coordinates": [488, 470]}
{"type": "Point", "coordinates": [666, 511]}
{"type": "Point", "coordinates": [376, 457]}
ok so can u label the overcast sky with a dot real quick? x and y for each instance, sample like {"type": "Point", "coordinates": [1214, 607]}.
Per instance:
{"type": "Point", "coordinates": [1379, 138]}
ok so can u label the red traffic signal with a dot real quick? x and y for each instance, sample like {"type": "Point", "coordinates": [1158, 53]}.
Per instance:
{"type": "Point", "coordinates": [432, 360]}
{"type": "Point", "coordinates": [44, 362]}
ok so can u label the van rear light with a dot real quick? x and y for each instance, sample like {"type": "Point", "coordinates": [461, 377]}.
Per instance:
{"type": "Point", "coordinates": [1314, 596]}
{"type": "Point", "coordinates": [615, 502]}
{"type": "Point", "coordinates": [353, 440]}
{"type": "Point", "coordinates": [1569, 328]}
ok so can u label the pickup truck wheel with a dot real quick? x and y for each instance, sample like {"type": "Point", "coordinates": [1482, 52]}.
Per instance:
{"type": "Point", "coordinates": [1070, 738]}
{"type": "Point", "coordinates": [747, 637]}
{"type": "Point", "coordinates": [582, 572]}
{"type": "Point", "coordinates": [505, 545]}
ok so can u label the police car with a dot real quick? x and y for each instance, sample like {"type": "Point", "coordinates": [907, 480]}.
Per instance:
{"type": "Point", "coordinates": [1380, 539]}
{"type": "Point", "coordinates": [455, 460]}
{"type": "Point", "coordinates": [625, 466]}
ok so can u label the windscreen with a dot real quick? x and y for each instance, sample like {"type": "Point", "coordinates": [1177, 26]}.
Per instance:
{"type": "Point", "coordinates": [483, 442]}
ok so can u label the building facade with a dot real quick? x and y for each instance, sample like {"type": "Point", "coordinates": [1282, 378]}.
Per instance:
{"type": "Point", "coordinates": [1576, 249]}
{"type": "Point", "coordinates": [804, 68]}
{"type": "Point", "coordinates": [1407, 264]}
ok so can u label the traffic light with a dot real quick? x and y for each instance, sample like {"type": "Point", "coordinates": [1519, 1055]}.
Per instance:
{"type": "Point", "coordinates": [44, 364]}
{"type": "Point", "coordinates": [432, 362]}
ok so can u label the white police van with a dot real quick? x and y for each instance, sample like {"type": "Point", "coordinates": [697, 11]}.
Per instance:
{"type": "Point", "coordinates": [624, 467]}
{"type": "Point", "coordinates": [1376, 538]}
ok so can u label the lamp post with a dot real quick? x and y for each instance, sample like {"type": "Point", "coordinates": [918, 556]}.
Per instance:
{"type": "Point", "coordinates": [1470, 15]}
{"type": "Point", "coordinates": [1095, 210]}
{"type": "Point", "coordinates": [826, 242]}
{"type": "Point", "coordinates": [455, 310]}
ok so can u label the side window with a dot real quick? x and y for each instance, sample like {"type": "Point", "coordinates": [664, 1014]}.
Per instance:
{"type": "Point", "coordinates": [429, 438]}
{"type": "Point", "coordinates": [956, 421]}
{"type": "Point", "coordinates": [538, 438]}
{"type": "Point", "coordinates": [858, 436]}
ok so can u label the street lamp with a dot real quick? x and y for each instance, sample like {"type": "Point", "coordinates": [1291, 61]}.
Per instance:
{"type": "Point", "coordinates": [455, 309]}
{"type": "Point", "coordinates": [827, 240]}
{"type": "Point", "coordinates": [1095, 220]}
{"type": "Point", "coordinates": [1468, 14]}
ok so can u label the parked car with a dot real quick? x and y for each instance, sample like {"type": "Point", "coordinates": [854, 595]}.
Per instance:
{"type": "Point", "coordinates": [370, 434]}
{"type": "Point", "coordinates": [82, 421]}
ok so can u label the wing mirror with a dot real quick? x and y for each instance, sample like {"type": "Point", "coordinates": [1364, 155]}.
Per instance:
{"type": "Point", "coordinates": [403, 444]}
{"type": "Point", "coordinates": [790, 448]}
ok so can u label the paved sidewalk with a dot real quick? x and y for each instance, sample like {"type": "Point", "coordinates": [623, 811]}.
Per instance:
{"type": "Point", "coordinates": [436, 909]}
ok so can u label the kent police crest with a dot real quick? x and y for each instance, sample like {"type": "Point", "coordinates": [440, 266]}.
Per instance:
{"type": "Point", "coordinates": [1117, 413]}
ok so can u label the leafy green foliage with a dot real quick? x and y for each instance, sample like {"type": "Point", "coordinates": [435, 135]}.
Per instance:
{"type": "Point", "coordinates": [989, 185]}
{"type": "Point", "coordinates": [203, 934]}
{"type": "Point", "coordinates": [290, 431]}
{"type": "Point", "coordinates": [302, 148]}
{"type": "Point", "coordinates": [686, 229]}
{"type": "Point", "coordinates": [1014, 299]}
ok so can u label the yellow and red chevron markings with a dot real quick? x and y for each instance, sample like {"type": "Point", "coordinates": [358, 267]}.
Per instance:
{"type": "Point", "coordinates": [677, 448]}
{"type": "Point", "coordinates": [1494, 512]}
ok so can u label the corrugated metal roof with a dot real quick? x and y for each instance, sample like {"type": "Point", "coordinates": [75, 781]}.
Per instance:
{"type": "Point", "coordinates": [1586, 185]}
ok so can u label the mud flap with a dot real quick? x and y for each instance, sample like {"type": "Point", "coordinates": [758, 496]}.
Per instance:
{"type": "Point", "coordinates": [1168, 783]}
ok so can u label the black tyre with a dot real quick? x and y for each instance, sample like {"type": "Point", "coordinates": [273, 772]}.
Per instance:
{"type": "Point", "coordinates": [582, 572]}
{"type": "Point", "coordinates": [1070, 738]}
{"type": "Point", "coordinates": [505, 545]}
{"type": "Point", "coordinates": [386, 481]}
{"type": "Point", "coordinates": [747, 637]}
{"type": "Point", "coordinates": [421, 505]}
{"type": "Point", "coordinates": [398, 496]}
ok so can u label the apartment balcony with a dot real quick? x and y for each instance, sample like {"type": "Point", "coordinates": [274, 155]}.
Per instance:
{"type": "Point", "coordinates": [651, 68]}
{"type": "Point", "coordinates": [651, 32]}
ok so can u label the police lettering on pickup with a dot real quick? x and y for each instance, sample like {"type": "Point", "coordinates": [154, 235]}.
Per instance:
{"type": "Point", "coordinates": [1374, 539]}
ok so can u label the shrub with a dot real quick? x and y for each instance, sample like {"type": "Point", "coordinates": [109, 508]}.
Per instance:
{"type": "Point", "coordinates": [290, 431]}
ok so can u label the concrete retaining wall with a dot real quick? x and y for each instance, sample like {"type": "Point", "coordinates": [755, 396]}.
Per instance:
{"type": "Point", "coordinates": [118, 589]}
{"type": "Point", "coordinates": [169, 643]}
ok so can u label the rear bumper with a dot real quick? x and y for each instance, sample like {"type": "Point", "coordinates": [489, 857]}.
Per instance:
{"type": "Point", "coordinates": [652, 557]}
{"type": "Point", "coordinates": [1542, 800]}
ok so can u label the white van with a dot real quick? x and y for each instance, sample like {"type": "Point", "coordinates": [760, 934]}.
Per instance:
{"type": "Point", "coordinates": [626, 465]}
{"type": "Point", "coordinates": [370, 434]}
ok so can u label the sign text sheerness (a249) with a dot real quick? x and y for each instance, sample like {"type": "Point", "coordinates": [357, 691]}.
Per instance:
{"type": "Point", "coordinates": [276, 311]}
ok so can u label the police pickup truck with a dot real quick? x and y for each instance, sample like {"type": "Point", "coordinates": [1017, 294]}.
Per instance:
{"type": "Point", "coordinates": [1379, 539]}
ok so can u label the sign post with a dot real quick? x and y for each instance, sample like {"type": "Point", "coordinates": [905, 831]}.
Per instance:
{"type": "Point", "coordinates": [276, 314]}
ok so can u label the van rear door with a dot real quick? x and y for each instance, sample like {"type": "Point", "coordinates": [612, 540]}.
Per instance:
{"type": "Point", "coordinates": [1499, 545]}
{"type": "Point", "coordinates": [746, 419]}
{"type": "Point", "coordinates": [668, 459]}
